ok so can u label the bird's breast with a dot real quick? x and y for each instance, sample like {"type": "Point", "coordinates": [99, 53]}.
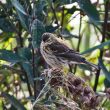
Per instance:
{"type": "Point", "coordinates": [49, 57]}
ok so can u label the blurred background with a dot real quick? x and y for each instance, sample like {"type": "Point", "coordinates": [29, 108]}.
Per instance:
{"type": "Point", "coordinates": [84, 24]}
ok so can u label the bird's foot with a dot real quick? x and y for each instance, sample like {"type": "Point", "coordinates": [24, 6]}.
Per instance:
{"type": "Point", "coordinates": [47, 72]}
{"type": "Point", "coordinates": [50, 71]}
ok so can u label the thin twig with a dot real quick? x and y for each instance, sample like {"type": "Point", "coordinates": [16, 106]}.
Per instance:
{"type": "Point", "coordinates": [73, 18]}
{"type": "Point", "coordinates": [62, 19]}
{"type": "Point", "coordinates": [13, 69]}
{"type": "Point", "coordinates": [79, 41]}
{"type": "Point", "coordinates": [33, 68]}
{"type": "Point", "coordinates": [41, 92]}
{"type": "Point", "coordinates": [54, 12]}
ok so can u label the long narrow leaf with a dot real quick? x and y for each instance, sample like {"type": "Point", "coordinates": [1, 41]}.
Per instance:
{"type": "Point", "coordinates": [90, 10]}
{"type": "Point", "coordinates": [21, 13]}
{"type": "Point", "coordinates": [18, 6]}
{"type": "Point", "coordinates": [28, 68]}
{"type": "Point", "coordinates": [13, 101]}
{"type": "Point", "coordinates": [105, 71]}
{"type": "Point", "coordinates": [37, 30]}
{"type": "Point", "coordinates": [10, 56]}
{"type": "Point", "coordinates": [6, 26]}
{"type": "Point", "coordinates": [96, 47]}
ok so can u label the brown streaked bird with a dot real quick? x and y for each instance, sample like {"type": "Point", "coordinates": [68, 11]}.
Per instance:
{"type": "Point", "coordinates": [57, 54]}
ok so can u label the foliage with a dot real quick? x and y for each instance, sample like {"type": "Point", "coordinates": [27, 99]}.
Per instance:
{"type": "Point", "coordinates": [85, 28]}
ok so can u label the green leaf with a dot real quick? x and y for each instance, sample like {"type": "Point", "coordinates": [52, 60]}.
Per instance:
{"type": "Point", "coordinates": [106, 83]}
{"type": "Point", "coordinates": [90, 10]}
{"type": "Point", "coordinates": [24, 18]}
{"type": "Point", "coordinates": [105, 71]}
{"type": "Point", "coordinates": [10, 56]}
{"type": "Point", "coordinates": [6, 26]}
{"type": "Point", "coordinates": [97, 47]}
{"type": "Point", "coordinates": [64, 2]}
{"type": "Point", "coordinates": [25, 53]}
{"type": "Point", "coordinates": [66, 34]}
{"type": "Point", "coordinates": [71, 10]}
{"type": "Point", "coordinates": [85, 67]}
{"type": "Point", "coordinates": [13, 101]}
{"type": "Point", "coordinates": [106, 105]}
{"type": "Point", "coordinates": [39, 9]}
{"type": "Point", "coordinates": [51, 29]}
{"type": "Point", "coordinates": [18, 6]}
{"type": "Point", "coordinates": [37, 30]}
{"type": "Point", "coordinates": [28, 69]}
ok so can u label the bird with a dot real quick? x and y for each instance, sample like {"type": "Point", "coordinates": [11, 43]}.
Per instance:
{"type": "Point", "coordinates": [58, 55]}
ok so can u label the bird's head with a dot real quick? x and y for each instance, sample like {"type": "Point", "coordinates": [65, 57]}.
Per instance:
{"type": "Point", "coordinates": [48, 37]}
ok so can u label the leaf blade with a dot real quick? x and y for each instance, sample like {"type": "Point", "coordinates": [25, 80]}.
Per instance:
{"type": "Point", "coordinates": [10, 56]}
{"type": "Point", "coordinates": [21, 13]}
{"type": "Point", "coordinates": [37, 30]}
{"type": "Point", "coordinates": [13, 101]}
{"type": "Point", "coordinates": [28, 69]}
{"type": "Point", "coordinates": [96, 47]}
{"type": "Point", "coordinates": [18, 6]}
{"type": "Point", "coordinates": [105, 71]}
{"type": "Point", "coordinates": [90, 10]}
{"type": "Point", "coordinates": [6, 26]}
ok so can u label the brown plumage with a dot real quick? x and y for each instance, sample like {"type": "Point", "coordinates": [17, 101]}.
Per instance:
{"type": "Point", "coordinates": [57, 54]}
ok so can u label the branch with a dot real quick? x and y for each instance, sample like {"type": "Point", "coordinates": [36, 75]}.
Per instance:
{"type": "Point", "coordinates": [54, 12]}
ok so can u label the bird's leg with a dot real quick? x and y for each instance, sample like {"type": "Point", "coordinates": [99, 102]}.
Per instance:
{"type": "Point", "coordinates": [48, 72]}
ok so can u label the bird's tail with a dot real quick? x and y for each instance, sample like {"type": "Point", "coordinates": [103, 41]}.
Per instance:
{"type": "Point", "coordinates": [92, 65]}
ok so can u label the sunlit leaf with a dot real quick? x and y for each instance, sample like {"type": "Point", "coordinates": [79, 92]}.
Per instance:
{"type": "Point", "coordinates": [5, 36]}
{"type": "Point", "coordinates": [37, 30]}
{"type": "Point", "coordinates": [16, 103]}
{"type": "Point", "coordinates": [90, 10]}
{"type": "Point", "coordinates": [106, 105]}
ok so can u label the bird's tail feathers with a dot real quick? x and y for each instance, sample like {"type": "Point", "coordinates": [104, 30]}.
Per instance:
{"type": "Point", "coordinates": [92, 65]}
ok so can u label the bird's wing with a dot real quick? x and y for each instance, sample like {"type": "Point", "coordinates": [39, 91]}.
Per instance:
{"type": "Point", "coordinates": [62, 51]}
{"type": "Point", "coordinates": [60, 48]}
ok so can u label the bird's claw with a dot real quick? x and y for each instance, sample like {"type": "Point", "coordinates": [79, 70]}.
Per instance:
{"type": "Point", "coordinates": [48, 72]}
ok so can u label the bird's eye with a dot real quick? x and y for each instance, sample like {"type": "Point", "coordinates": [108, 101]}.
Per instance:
{"type": "Point", "coordinates": [45, 37]}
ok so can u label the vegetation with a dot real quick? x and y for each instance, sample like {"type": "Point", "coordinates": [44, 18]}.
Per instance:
{"type": "Point", "coordinates": [84, 25]}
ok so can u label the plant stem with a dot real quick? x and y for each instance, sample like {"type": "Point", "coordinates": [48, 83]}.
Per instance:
{"type": "Point", "coordinates": [103, 39]}
{"type": "Point", "coordinates": [41, 92]}
{"type": "Point", "coordinates": [33, 68]}
{"type": "Point", "coordinates": [54, 12]}
{"type": "Point", "coordinates": [79, 41]}
{"type": "Point", "coordinates": [62, 19]}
